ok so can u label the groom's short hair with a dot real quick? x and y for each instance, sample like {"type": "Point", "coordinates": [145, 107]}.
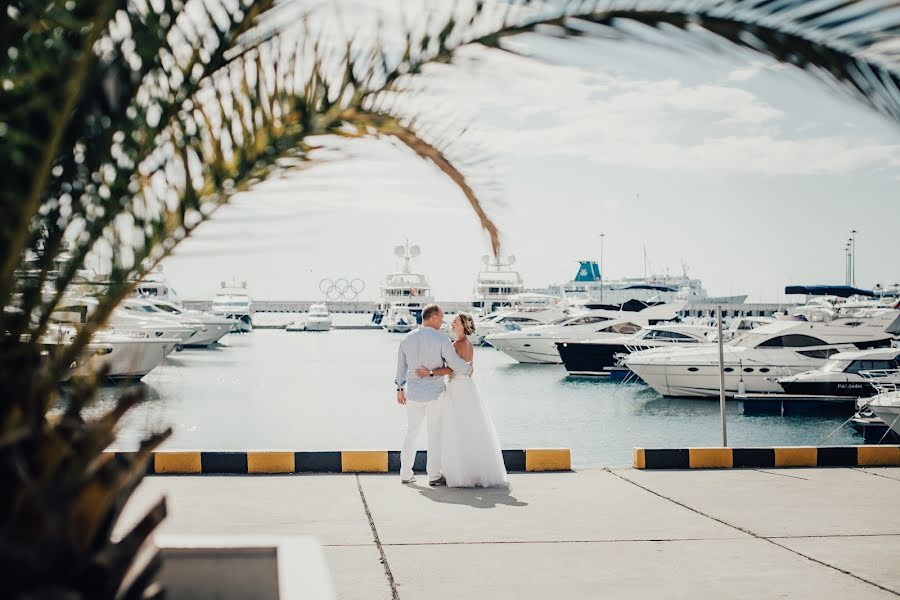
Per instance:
{"type": "Point", "coordinates": [430, 310]}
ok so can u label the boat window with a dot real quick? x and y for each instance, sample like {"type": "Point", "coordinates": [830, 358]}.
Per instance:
{"type": "Point", "coordinates": [587, 320]}
{"type": "Point", "coordinates": [729, 369]}
{"type": "Point", "coordinates": [821, 353]}
{"type": "Point", "coordinates": [870, 365]}
{"type": "Point", "coordinates": [793, 340]}
{"type": "Point", "coordinates": [621, 328]}
{"type": "Point", "coordinates": [662, 334]}
{"type": "Point", "coordinates": [170, 309]}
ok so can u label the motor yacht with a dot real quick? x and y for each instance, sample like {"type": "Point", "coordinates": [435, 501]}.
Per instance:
{"type": "Point", "coordinates": [125, 356]}
{"type": "Point", "coordinates": [753, 361]}
{"type": "Point", "coordinates": [538, 344]}
{"type": "Point", "coordinates": [525, 310]}
{"type": "Point", "coordinates": [210, 328]}
{"type": "Point", "coordinates": [496, 284]}
{"type": "Point", "coordinates": [131, 317]}
{"type": "Point", "coordinates": [399, 319]}
{"type": "Point", "coordinates": [317, 318]}
{"type": "Point", "coordinates": [594, 357]}
{"type": "Point", "coordinates": [233, 302]}
{"type": "Point", "coordinates": [404, 287]}
{"type": "Point", "coordinates": [855, 374]}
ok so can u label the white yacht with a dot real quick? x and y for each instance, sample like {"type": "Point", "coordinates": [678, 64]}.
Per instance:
{"type": "Point", "coordinates": [317, 318]}
{"type": "Point", "coordinates": [404, 288]}
{"type": "Point", "coordinates": [233, 302]}
{"type": "Point", "coordinates": [125, 356]}
{"type": "Point", "coordinates": [753, 361]}
{"type": "Point", "coordinates": [131, 317]}
{"type": "Point", "coordinates": [594, 357]}
{"type": "Point", "coordinates": [525, 310]}
{"type": "Point", "coordinates": [210, 328]}
{"type": "Point", "coordinates": [496, 284]}
{"type": "Point", "coordinates": [855, 374]}
{"type": "Point", "coordinates": [538, 344]}
{"type": "Point", "coordinates": [399, 319]}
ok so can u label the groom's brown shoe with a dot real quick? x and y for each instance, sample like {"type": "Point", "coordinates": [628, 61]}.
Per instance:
{"type": "Point", "coordinates": [438, 482]}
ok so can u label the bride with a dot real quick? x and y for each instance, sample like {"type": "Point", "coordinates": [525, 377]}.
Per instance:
{"type": "Point", "coordinates": [471, 454]}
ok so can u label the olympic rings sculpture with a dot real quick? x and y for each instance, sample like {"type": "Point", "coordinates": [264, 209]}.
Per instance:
{"type": "Point", "coordinates": [342, 289]}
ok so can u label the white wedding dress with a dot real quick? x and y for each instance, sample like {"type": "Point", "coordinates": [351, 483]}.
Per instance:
{"type": "Point", "coordinates": [471, 455]}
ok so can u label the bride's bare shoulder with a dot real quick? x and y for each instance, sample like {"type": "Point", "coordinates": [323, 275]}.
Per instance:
{"type": "Point", "coordinates": [464, 348]}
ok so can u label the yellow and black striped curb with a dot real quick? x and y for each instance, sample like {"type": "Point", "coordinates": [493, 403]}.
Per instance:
{"type": "Point", "coordinates": [347, 461]}
{"type": "Point", "coordinates": [756, 458]}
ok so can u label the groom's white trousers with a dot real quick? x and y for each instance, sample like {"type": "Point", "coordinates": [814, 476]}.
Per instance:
{"type": "Point", "coordinates": [416, 412]}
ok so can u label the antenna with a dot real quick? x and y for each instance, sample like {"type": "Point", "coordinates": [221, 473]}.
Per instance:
{"type": "Point", "coordinates": [485, 260]}
{"type": "Point", "coordinates": [399, 251]}
{"type": "Point", "coordinates": [511, 259]}
{"type": "Point", "coordinates": [645, 261]}
{"type": "Point", "coordinates": [414, 251]}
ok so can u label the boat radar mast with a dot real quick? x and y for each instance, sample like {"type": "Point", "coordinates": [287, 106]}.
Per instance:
{"type": "Point", "coordinates": [406, 253]}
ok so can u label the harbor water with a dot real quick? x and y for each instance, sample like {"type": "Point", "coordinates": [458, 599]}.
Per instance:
{"type": "Point", "coordinates": [278, 390]}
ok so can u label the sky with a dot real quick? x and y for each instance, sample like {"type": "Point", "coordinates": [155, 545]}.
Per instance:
{"type": "Point", "coordinates": [750, 173]}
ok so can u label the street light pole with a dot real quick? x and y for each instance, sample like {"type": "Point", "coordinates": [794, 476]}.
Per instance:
{"type": "Point", "coordinates": [602, 235]}
{"type": "Point", "coordinates": [853, 258]}
{"type": "Point", "coordinates": [847, 263]}
{"type": "Point", "coordinates": [721, 375]}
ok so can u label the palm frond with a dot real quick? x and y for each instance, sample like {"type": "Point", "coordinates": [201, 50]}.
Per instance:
{"type": "Point", "coordinates": [853, 43]}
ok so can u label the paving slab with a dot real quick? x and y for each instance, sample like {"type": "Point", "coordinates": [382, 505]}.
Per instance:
{"type": "Point", "coordinates": [890, 472]}
{"type": "Point", "coordinates": [734, 569]}
{"type": "Point", "coordinates": [357, 573]}
{"type": "Point", "coordinates": [583, 506]}
{"type": "Point", "coordinates": [874, 558]}
{"type": "Point", "coordinates": [325, 506]}
{"type": "Point", "coordinates": [784, 502]}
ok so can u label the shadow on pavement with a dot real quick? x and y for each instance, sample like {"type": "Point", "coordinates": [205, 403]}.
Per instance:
{"type": "Point", "coordinates": [474, 497]}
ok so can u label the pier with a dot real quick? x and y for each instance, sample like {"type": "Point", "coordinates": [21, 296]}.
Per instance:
{"type": "Point", "coordinates": [597, 533]}
{"type": "Point", "coordinates": [368, 306]}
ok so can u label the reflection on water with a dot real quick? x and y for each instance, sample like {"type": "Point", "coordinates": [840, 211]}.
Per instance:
{"type": "Point", "coordinates": [326, 391]}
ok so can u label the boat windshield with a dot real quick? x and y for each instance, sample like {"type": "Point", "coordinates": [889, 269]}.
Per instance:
{"type": "Point", "coordinates": [835, 366]}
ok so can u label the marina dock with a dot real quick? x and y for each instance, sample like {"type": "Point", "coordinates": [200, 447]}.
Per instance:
{"type": "Point", "coordinates": [597, 533]}
{"type": "Point", "coordinates": [701, 309]}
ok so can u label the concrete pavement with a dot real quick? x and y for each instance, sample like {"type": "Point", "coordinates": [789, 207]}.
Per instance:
{"type": "Point", "coordinates": [795, 533]}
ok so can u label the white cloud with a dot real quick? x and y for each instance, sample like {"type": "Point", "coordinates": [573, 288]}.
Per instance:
{"type": "Point", "coordinates": [525, 107]}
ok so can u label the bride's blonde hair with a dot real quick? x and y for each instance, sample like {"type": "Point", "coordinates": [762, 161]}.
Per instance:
{"type": "Point", "coordinates": [468, 323]}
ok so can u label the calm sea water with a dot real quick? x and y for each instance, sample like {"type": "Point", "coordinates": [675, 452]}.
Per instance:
{"type": "Point", "coordinates": [334, 391]}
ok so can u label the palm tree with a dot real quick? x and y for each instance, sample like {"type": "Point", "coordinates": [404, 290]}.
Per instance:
{"type": "Point", "coordinates": [124, 124]}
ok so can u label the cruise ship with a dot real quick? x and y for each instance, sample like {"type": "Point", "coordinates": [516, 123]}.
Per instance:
{"type": "Point", "coordinates": [496, 284]}
{"type": "Point", "coordinates": [589, 287]}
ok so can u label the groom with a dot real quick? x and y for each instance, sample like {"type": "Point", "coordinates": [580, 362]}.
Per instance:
{"type": "Point", "coordinates": [429, 348]}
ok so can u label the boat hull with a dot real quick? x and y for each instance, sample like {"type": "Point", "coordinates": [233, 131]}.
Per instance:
{"type": "Point", "coordinates": [213, 333]}
{"type": "Point", "coordinates": [678, 382]}
{"type": "Point", "coordinates": [887, 408]}
{"type": "Point", "coordinates": [851, 389]}
{"type": "Point", "coordinates": [528, 350]}
{"type": "Point", "coordinates": [130, 360]}
{"type": "Point", "coordinates": [585, 358]}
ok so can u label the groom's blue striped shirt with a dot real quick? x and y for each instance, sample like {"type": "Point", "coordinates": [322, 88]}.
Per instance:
{"type": "Point", "coordinates": [432, 349]}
